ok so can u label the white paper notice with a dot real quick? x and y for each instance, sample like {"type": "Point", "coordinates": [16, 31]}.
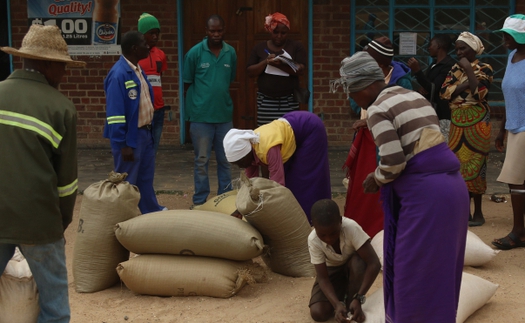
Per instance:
{"type": "Point", "coordinates": [407, 43]}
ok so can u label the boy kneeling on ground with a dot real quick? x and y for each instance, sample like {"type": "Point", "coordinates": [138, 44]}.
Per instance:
{"type": "Point", "coordinates": [345, 263]}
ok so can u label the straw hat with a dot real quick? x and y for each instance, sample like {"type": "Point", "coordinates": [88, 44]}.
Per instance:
{"type": "Point", "coordinates": [44, 43]}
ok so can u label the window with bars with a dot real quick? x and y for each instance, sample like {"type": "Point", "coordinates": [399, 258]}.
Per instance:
{"type": "Point", "coordinates": [374, 18]}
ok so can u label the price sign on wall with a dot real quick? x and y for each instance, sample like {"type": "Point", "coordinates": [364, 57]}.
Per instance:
{"type": "Point", "coordinates": [89, 27]}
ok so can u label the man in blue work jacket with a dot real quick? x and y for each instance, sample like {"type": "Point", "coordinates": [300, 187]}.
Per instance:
{"type": "Point", "coordinates": [129, 111]}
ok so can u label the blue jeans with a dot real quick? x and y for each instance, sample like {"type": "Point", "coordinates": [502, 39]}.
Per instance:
{"type": "Point", "coordinates": [205, 136]}
{"type": "Point", "coordinates": [48, 266]}
{"type": "Point", "coordinates": [157, 123]}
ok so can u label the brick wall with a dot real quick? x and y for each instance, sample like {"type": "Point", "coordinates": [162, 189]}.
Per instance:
{"type": "Point", "coordinates": [331, 43]}
{"type": "Point", "coordinates": [85, 86]}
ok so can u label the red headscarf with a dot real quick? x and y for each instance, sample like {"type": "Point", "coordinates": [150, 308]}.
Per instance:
{"type": "Point", "coordinates": [271, 21]}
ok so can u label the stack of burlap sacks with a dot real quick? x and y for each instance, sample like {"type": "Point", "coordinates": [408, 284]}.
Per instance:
{"type": "Point", "coordinates": [96, 254]}
{"type": "Point", "coordinates": [474, 293]}
{"type": "Point", "coordinates": [203, 252]}
{"type": "Point", "coordinates": [200, 252]}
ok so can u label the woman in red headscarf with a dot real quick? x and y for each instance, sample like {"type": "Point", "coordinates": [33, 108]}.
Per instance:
{"type": "Point", "coordinates": [276, 80]}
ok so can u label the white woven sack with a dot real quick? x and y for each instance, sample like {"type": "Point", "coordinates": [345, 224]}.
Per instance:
{"type": "Point", "coordinates": [171, 275]}
{"type": "Point", "coordinates": [18, 266]}
{"type": "Point", "coordinates": [17, 257]}
{"type": "Point", "coordinates": [97, 251]}
{"type": "Point", "coordinates": [474, 293]}
{"type": "Point", "coordinates": [374, 307]}
{"type": "Point", "coordinates": [224, 203]}
{"type": "Point", "coordinates": [477, 253]}
{"type": "Point", "coordinates": [273, 210]}
{"type": "Point", "coordinates": [190, 232]}
{"type": "Point", "coordinates": [18, 292]}
{"type": "Point", "coordinates": [377, 244]}
{"type": "Point", "coordinates": [346, 181]}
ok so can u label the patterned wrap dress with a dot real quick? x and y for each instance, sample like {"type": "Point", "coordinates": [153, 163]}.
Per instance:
{"type": "Point", "coordinates": [470, 128]}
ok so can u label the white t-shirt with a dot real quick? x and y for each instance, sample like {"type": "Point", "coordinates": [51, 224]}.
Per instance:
{"type": "Point", "coordinates": [352, 237]}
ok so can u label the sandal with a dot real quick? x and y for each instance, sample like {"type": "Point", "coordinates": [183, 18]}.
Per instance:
{"type": "Point", "coordinates": [511, 241]}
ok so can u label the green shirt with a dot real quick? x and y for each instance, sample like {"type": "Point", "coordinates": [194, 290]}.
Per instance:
{"type": "Point", "coordinates": [38, 160]}
{"type": "Point", "coordinates": [208, 98]}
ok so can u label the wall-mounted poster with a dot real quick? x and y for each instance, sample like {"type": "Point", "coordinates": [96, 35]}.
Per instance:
{"type": "Point", "coordinates": [407, 43]}
{"type": "Point", "coordinates": [89, 27]}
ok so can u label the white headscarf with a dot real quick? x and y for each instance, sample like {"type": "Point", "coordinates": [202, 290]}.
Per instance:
{"type": "Point", "coordinates": [238, 143]}
{"type": "Point", "coordinates": [472, 41]}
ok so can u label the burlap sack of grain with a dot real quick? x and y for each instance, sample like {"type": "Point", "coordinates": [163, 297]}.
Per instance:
{"type": "Point", "coordinates": [190, 232]}
{"type": "Point", "coordinates": [18, 292]}
{"type": "Point", "coordinates": [273, 210]}
{"type": "Point", "coordinates": [97, 251]}
{"type": "Point", "coordinates": [477, 252]}
{"type": "Point", "coordinates": [475, 292]}
{"type": "Point", "coordinates": [224, 203]}
{"type": "Point", "coordinates": [173, 275]}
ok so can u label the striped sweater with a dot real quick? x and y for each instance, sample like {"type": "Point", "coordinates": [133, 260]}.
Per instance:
{"type": "Point", "coordinates": [397, 119]}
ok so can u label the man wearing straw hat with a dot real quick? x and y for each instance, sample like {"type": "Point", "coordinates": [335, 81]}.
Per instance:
{"type": "Point", "coordinates": [38, 182]}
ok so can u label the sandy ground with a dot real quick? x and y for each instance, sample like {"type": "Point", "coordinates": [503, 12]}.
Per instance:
{"type": "Point", "coordinates": [285, 299]}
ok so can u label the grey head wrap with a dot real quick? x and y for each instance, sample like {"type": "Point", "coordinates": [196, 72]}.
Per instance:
{"type": "Point", "coordinates": [357, 72]}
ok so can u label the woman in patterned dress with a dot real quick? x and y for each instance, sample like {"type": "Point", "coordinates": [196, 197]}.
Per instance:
{"type": "Point", "coordinates": [466, 88]}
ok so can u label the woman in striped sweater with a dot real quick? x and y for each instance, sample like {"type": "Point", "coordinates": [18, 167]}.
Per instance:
{"type": "Point", "coordinates": [423, 194]}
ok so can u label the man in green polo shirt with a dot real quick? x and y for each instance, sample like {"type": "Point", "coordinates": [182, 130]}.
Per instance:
{"type": "Point", "coordinates": [209, 68]}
